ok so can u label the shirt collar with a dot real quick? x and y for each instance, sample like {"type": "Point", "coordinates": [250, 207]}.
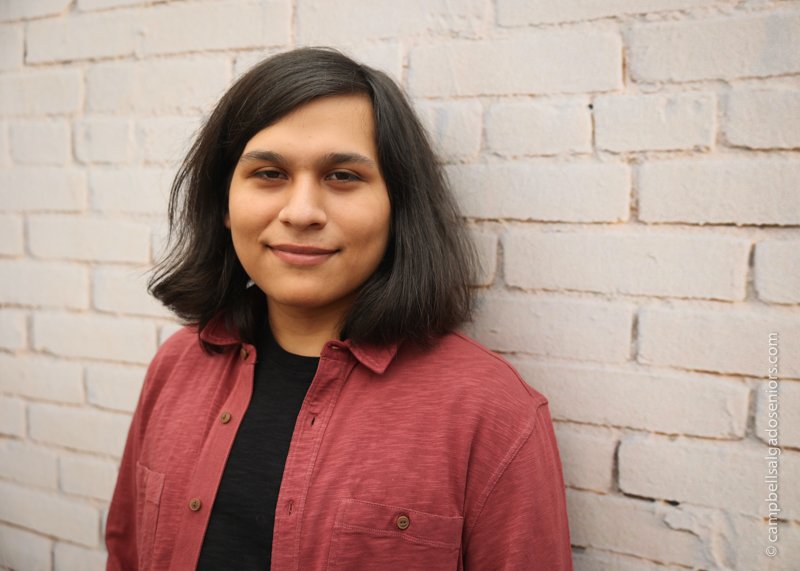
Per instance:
{"type": "Point", "coordinates": [375, 357]}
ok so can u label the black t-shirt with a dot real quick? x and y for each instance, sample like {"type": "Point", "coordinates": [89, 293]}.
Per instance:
{"type": "Point", "coordinates": [239, 533]}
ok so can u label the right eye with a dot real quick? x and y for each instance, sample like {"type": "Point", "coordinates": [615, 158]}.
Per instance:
{"type": "Point", "coordinates": [268, 174]}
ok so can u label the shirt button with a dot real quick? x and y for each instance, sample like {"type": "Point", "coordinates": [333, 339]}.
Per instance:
{"type": "Point", "coordinates": [403, 522]}
{"type": "Point", "coordinates": [244, 353]}
{"type": "Point", "coordinates": [194, 504]}
{"type": "Point", "coordinates": [225, 418]}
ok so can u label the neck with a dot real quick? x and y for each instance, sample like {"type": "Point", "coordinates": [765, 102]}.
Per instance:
{"type": "Point", "coordinates": [304, 331]}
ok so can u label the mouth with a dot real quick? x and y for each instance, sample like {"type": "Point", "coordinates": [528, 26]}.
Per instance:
{"type": "Point", "coordinates": [298, 255]}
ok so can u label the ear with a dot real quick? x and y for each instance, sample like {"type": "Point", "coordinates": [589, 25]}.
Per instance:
{"type": "Point", "coordinates": [227, 221]}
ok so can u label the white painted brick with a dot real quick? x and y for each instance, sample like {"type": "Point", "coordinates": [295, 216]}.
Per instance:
{"type": "Point", "coordinates": [11, 49]}
{"type": "Point", "coordinates": [26, 9]}
{"type": "Point", "coordinates": [486, 245]}
{"type": "Point", "coordinates": [40, 142]}
{"type": "Point", "coordinates": [124, 290]}
{"type": "Point", "coordinates": [735, 190]}
{"type": "Point", "coordinates": [174, 85]}
{"type": "Point", "coordinates": [24, 550]}
{"type": "Point", "coordinates": [55, 91]}
{"type": "Point", "coordinates": [644, 263]}
{"type": "Point", "coordinates": [702, 405]}
{"type": "Point", "coordinates": [196, 26]}
{"type": "Point", "coordinates": [114, 386]}
{"type": "Point", "coordinates": [777, 271]}
{"type": "Point", "coordinates": [763, 118]}
{"type": "Point", "coordinates": [328, 23]}
{"type": "Point", "coordinates": [104, 337]}
{"type": "Point", "coordinates": [630, 526]}
{"type": "Point", "coordinates": [5, 152]}
{"type": "Point", "coordinates": [782, 409]}
{"type": "Point", "coordinates": [12, 416]}
{"type": "Point", "coordinates": [87, 476]}
{"type": "Point", "coordinates": [43, 188]}
{"type": "Point", "coordinates": [535, 127]}
{"type": "Point", "coordinates": [88, 239]}
{"type": "Point", "coordinates": [79, 428]}
{"type": "Point", "coordinates": [87, 5]}
{"type": "Point", "coordinates": [104, 140]}
{"type": "Point", "coordinates": [717, 340]}
{"type": "Point", "coordinates": [50, 514]}
{"type": "Point", "coordinates": [70, 557]}
{"type": "Point", "coordinates": [11, 241]}
{"type": "Point", "coordinates": [655, 122]}
{"type": "Point", "coordinates": [165, 139]}
{"type": "Point", "coordinates": [28, 464]}
{"type": "Point", "coordinates": [41, 378]}
{"type": "Point", "coordinates": [716, 48]}
{"type": "Point", "coordinates": [587, 455]}
{"type": "Point", "coordinates": [13, 330]}
{"type": "Point", "coordinates": [134, 189]}
{"type": "Point", "coordinates": [90, 36]}
{"type": "Point", "coordinates": [554, 327]}
{"type": "Point", "coordinates": [454, 126]}
{"type": "Point", "coordinates": [49, 284]}
{"type": "Point", "coordinates": [571, 192]}
{"type": "Point", "coordinates": [515, 13]}
{"type": "Point", "coordinates": [732, 473]}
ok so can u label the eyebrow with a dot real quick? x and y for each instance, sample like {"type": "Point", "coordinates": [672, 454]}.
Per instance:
{"type": "Point", "coordinates": [326, 160]}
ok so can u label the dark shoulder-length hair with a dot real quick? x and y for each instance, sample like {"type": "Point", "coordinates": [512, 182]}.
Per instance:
{"type": "Point", "coordinates": [422, 286]}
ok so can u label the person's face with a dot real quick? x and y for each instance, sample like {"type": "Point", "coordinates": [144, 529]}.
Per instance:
{"type": "Point", "coordinates": [311, 180]}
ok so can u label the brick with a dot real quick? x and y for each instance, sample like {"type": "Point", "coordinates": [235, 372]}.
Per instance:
{"type": "Point", "coordinates": [726, 47]}
{"type": "Point", "coordinates": [88, 238]}
{"type": "Point", "coordinates": [720, 191]}
{"type": "Point", "coordinates": [763, 118]}
{"type": "Point", "coordinates": [104, 140]}
{"type": "Point", "coordinates": [733, 473]}
{"type": "Point", "coordinates": [49, 514]}
{"type": "Point", "coordinates": [70, 557]}
{"type": "Point", "coordinates": [555, 61]}
{"type": "Point", "coordinates": [666, 402]}
{"type": "Point", "coordinates": [326, 23]}
{"type": "Point", "coordinates": [11, 48]}
{"type": "Point", "coordinates": [13, 329]}
{"type": "Point", "coordinates": [28, 464]}
{"type": "Point", "coordinates": [573, 192]}
{"type": "Point", "coordinates": [114, 386]}
{"type": "Point", "coordinates": [26, 9]}
{"type": "Point", "coordinates": [158, 86]}
{"type": "Point", "coordinates": [51, 91]}
{"type": "Point", "coordinates": [553, 326]}
{"type": "Point", "coordinates": [12, 416]}
{"type": "Point", "coordinates": [682, 121]}
{"type": "Point", "coordinates": [486, 245]}
{"type": "Point", "coordinates": [135, 189]}
{"type": "Point", "coordinates": [773, 412]}
{"type": "Point", "coordinates": [91, 36]}
{"type": "Point", "coordinates": [87, 5]}
{"type": "Point", "coordinates": [40, 142]}
{"type": "Point", "coordinates": [661, 264]}
{"type": "Point", "coordinates": [48, 284]}
{"type": "Point", "coordinates": [634, 527]}
{"type": "Point", "coordinates": [777, 271]}
{"type": "Point", "coordinates": [587, 455]}
{"type": "Point", "coordinates": [124, 290]}
{"type": "Point", "coordinates": [5, 152]}
{"type": "Point", "coordinates": [79, 428]}
{"type": "Point", "coordinates": [103, 337]}
{"type": "Point", "coordinates": [514, 13]}
{"type": "Point", "coordinates": [11, 241]}
{"type": "Point", "coordinates": [215, 26]}
{"type": "Point", "coordinates": [455, 127]}
{"type": "Point", "coordinates": [84, 475]}
{"type": "Point", "coordinates": [546, 127]}
{"type": "Point", "coordinates": [724, 340]}
{"type": "Point", "coordinates": [42, 188]}
{"type": "Point", "coordinates": [24, 550]}
{"type": "Point", "coordinates": [165, 139]}
{"type": "Point", "coordinates": [598, 560]}
{"type": "Point", "coordinates": [42, 378]}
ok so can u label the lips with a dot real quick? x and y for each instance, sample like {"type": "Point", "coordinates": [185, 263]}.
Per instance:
{"type": "Point", "coordinates": [299, 255]}
{"type": "Point", "coordinates": [299, 249]}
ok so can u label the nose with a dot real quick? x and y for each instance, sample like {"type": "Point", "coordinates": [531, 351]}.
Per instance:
{"type": "Point", "coordinates": [304, 203]}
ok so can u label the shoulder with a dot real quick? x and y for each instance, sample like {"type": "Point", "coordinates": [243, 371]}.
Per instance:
{"type": "Point", "coordinates": [180, 354]}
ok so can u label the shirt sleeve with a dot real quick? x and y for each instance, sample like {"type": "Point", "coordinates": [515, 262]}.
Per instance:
{"type": "Point", "coordinates": [523, 524]}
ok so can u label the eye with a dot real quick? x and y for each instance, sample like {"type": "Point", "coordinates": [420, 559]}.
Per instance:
{"type": "Point", "coordinates": [344, 176]}
{"type": "Point", "coordinates": [268, 174]}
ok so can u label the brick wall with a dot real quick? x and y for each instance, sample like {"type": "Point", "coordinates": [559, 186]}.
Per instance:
{"type": "Point", "coordinates": [631, 172]}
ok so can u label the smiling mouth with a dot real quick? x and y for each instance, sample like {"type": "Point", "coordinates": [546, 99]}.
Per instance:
{"type": "Point", "coordinates": [297, 255]}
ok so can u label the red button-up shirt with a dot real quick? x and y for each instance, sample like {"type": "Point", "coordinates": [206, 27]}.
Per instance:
{"type": "Point", "coordinates": [400, 458]}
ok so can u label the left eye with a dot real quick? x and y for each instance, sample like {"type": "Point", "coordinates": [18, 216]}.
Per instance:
{"type": "Point", "coordinates": [343, 176]}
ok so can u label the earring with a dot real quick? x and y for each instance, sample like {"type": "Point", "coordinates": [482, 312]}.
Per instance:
{"type": "Point", "coordinates": [249, 284]}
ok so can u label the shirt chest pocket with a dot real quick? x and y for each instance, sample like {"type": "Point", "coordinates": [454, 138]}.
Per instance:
{"type": "Point", "coordinates": [149, 485]}
{"type": "Point", "coordinates": [371, 536]}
